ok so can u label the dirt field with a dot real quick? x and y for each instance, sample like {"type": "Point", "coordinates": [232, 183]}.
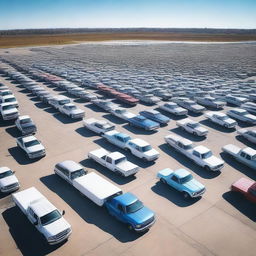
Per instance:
{"type": "Point", "coordinates": [34, 40]}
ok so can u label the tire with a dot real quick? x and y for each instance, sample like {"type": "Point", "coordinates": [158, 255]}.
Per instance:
{"type": "Point", "coordinates": [186, 195]}
{"type": "Point", "coordinates": [194, 133]}
{"type": "Point", "coordinates": [130, 227]}
{"type": "Point", "coordinates": [163, 180]}
{"type": "Point", "coordinates": [144, 159]}
{"type": "Point", "coordinates": [207, 168]}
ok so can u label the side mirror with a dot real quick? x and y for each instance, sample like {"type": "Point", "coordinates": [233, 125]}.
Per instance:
{"type": "Point", "coordinates": [63, 212]}
{"type": "Point", "coordinates": [13, 172]}
{"type": "Point", "coordinates": [36, 223]}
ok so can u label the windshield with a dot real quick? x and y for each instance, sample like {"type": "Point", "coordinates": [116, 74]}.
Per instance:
{"type": "Point", "coordinates": [25, 121]}
{"type": "Point", "coordinates": [188, 146]}
{"type": "Point", "coordinates": [6, 174]}
{"type": "Point", "coordinates": [120, 160]}
{"type": "Point", "coordinates": [146, 148]}
{"type": "Point", "coordinates": [32, 143]}
{"type": "Point", "coordinates": [71, 107]}
{"type": "Point", "coordinates": [8, 107]}
{"type": "Point", "coordinates": [194, 125]}
{"type": "Point", "coordinates": [134, 207]}
{"type": "Point", "coordinates": [62, 102]}
{"type": "Point", "coordinates": [50, 217]}
{"type": "Point", "coordinates": [207, 154]}
{"type": "Point", "coordinates": [186, 179]}
{"type": "Point", "coordinates": [244, 113]}
{"type": "Point", "coordinates": [78, 173]}
{"type": "Point", "coordinates": [223, 117]}
{"type": "Point", "coordinates": [10, 100]}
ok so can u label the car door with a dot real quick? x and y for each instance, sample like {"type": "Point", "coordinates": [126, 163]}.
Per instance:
{"type": "Point", "coordinates": [188, 128]}
{"type": "Point", "coordinates": [173, 181]}
{"type": "Point", "coordinates": [109, 163]}
{"type": "Point", "coordinates": [32, 216]}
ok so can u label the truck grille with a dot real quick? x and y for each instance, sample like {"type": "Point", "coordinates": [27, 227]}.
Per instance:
{"type": "Point", "coordinates": [62, 234]}
{"type": "Point", "coordinates": [199, 192]}
{"type": "Point", "coordinates": [148, 221]}
{"type": "Point", "coordinates": [14, 185]}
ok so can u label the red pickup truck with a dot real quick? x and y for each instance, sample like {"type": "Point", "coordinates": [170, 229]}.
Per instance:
{"type": "Point", "coordinates": [247, 187]}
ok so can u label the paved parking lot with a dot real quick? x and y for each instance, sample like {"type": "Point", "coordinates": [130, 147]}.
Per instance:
{"type": "Point", "coordinates": [220, 223]}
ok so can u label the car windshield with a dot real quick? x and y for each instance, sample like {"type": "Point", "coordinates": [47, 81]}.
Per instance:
{"type": "Point", "coordinates": [8, 107]}
{"type": "Point", "coordinates": [244, 113]}
{"type": "Point", "coordinates": [223, 117]}
{"type": "Point", "coordinates": [125, 139]}
{"type": "Point", "coordinates": [134, 207]}
{"type": "Point", "coordinates": [32, 143]}
{"type": "Point", "coordinates": [50, 217]}
{"type": "Point", "coordinates": [194, 125]}
{"type": "Point", "coordinates": [71, 107]}
{"type": "Point", "coordinates": [146, 148]}
{"type": "Point", "coordinates": [108, 127]}
{"type": "Point", "coordinates": [120, 160]}
{"type": "Point", "coordinates": [6, 174]}
{"type": "Point", "coordinates": [188, 147]}
{"type": "Point", "coordinates": [25, 121]}
{"type": "Point", "coordinates": [78, 173]}
{"type": "Point", "coordinates": [10, 100]}
{"type": "Point", "coordinates": [207, 154]}
{"type": "Point", "coordinates": [62, 102]}
{"type": "Point", "coordinates": [186, 179]}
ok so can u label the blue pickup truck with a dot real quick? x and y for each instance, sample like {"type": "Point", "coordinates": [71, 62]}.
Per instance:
{"type": "Point", "coordinates": [126, 207]}
{"type": "Point", "coordinates": [155, 116]}
{"type": "Point", "coordinates": [144, 123]}
{"type": "Point", "coordinates": [117, 138]}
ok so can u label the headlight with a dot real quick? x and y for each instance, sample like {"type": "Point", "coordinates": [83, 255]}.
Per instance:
{"type": "Point", "coordinates": [138, 226]}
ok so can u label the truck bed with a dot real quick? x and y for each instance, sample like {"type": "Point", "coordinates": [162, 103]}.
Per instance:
{"type": "Point", "coordinates": [96, 188]}
{"type": "Point", "coordinates": [24, 198]}
{"type": "Point", "coordinates": [109, 133]}
{"type": "Point", "coordinates": [89, 121]}
{"type": "Point", "coordinates": [98, 154]}
{"type": "Point", "coordinates": [182, 122]}
{"type": "Point", "coordinates": [231, 149]}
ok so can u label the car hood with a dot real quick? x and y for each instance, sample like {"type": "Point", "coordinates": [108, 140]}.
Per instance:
{"type": "Point", "coordinates": [35, 148]}
{"type": "Point", "coordinates": [141, 215]}
{"type": "Point", "coordinates": [28, 125]}
{"type": "Point", "coordinates": [129, 115]}
{"type": "Point", "coordinates": [56, 227]}
{"type": "Point", "coordinates": [201, 129]}
{"type": "Point", "coordinates": [197, 107]}
{"type": "Point", "coordinates": [180, 109]}
{"type": "Point", "coordinates": [194, 185]}
{"type": "Point", "coordinates": [8, 180]}
{"type": "Point", "coordinates": [213, 161]}
{"type": "Point", "coordinates": [230, 121]}
{"type": "Point", "coordinates": [76, 111]}
{"type": "Point", "coordinates": [126, 166]}
{"type": "Point", "coordinates": [10, 111]}
{"type": "Point", "coordinates": [151, 152]}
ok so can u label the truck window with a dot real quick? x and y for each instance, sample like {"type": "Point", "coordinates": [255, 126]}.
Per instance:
{"type": "Point", "coordinates": [195, 153]}
{"type": "Point", "coordinates": [243, 154]}
{"type": "Point", "coordinates": [109, 160]}
{"type": "Point", "coordinates": [174, 178]}
{"type": "Point", "coordinates": [248, 157]}
{"type": "Point", "coordinates": [120, 208]}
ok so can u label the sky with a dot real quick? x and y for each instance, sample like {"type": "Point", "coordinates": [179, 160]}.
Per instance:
{"type": "Point", "coordinates": [21, 14]}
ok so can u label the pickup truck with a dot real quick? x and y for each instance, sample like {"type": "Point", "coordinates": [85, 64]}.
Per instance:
{"type": "Point", "coordinates": [47, 219]}
{"type": "Point", "coordinates": [246, 156]}
{"type": "Point", "coordinates": [9, 99]}
{"type": "Point", "coordinates": [125, 207]}
{"type": "Point", "coordinates": [142, 149]}
{"type": "Point", "coordinates": [106, 105]}
{"type": "Point", "coordinates": [58, 101]}
{"type": "Point", "coordinates": [8, 180]}
{"type": "Point", "coordinates": [189, 105]}
{"type": "Point", "coordinates": [250, 135]}
{"type": "Point", "coordinates": [155, 116]}
{"type": "Point", "coordinates": [242, 115]}
{"type": "Point", "coordinates": [173, 108]}
{"type": "Point", "coordinates": [98, 126]}
{"type": "Point", "coordinates": [117, 138]}
{"type": "Point", "coordinates": [209, 101]}
{"type": "Point", "coordinates": [246, 187]}
{"type": "Point", "coordinates": [192, 127]}
{"type": "Point", "coordinates": [201, 155]}
{"type": "Point", "coordinates": [114, 161]}
{"type": "Point", "coordinates": [9, 111]}
{"type": "Point", "coordinates": [144, 123]}
{"type": "Point", "coordinates": [183, 181]}
{"type": "Point", "coordinates": [122, 113]}
{"type": "Point", "coordinates": [32, 146]}
{"type": "Point", "coordinates": [25, 125]}
{"type": "Point", "coordinates": [72, 111]}
{"type": "Point", "coordinates": [221, 119]}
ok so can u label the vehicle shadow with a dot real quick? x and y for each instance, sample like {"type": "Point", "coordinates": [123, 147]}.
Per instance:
{"type": "Point", "coordinates": [244, 124]}
{"type": "Point", "coordinates": [241, 204]}
{"type": "Point", "coordinates": [110, 147]}
{"type": "Point", "coordinates": [95, 108]}
{"type": "Point", "coordinates": [79, 100]}
{"type": "Point", "coordinates": [13, 131]}
{"type": "Point", "coordinates": [188, 163]}
{"type": "Point", "coordinates": [65, 119]}
{"type": "Point", "coordinates": [187, 135]}
{"type": "Point", "coordinates": [170, 115]}
{"type": "Point", "coordinates": [191, 113]}
{"type": "Point", "coordinates": [21, 156]}
{"type": "Point", "coordinates": [114, 119]}
{"type": "Point", "coordinates": [173, 195]}
{"type": "Point", "coordinates": [136, 130]}
{"type": "Point", "coordinates": [85, 132]}
{"type": "Point", "coordinates": [41, 105]}
{"type": "Point", "coordinates": [238, 166]}
{"type": "Point", "coordinates": [35, 98]}
{"type": "Point", "coordinates": [5, 123]}
{"type": "Point", "coordinates": [245, 141]}
{"type": "Point", "coordinates": [118, 179]}
{"type": "Point", "coordinates": [67, 94]}
{"type": "Point", "coordinates": [217, 127]}
{"type": "Point", "coordinates": [88, 210]}
{"type": "Point", "coordinates": [28, 240]}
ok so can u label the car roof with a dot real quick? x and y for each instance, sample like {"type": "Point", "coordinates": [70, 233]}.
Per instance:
{"type": "Point", "coordinates": [8, 96]}
{"type": "Point", "coordinates": [4, 169]}
{"type": "Point", "coordinates": [201, 149]}
{"type": "Point", "coordinates": [126, 199]}
{"type": "Point", "coordinates": [219, 114]}
{"type": "Point", "coordinates": [249, 151]}
{"type": "Point", "coordinates": [116, 155]}
{"type": "Point", "coordinates": [28, 138]}
{"type": "Point", "coordinates": [23, 117]}
{"type": "Point", "coordinates": [69, 104]}
{"type": "Point", "coordinates": [60, 97]}
{"type": "Point", "coordinates": [152, 111]}
{"type": "Point", "coordinates": [181, 173]}
{"type": "Point", "coordinates": [70, 165]}
{"type": "Point", "coordinates": [239, 110]}
{"type": "Point", "coordinates": [122, 135]}
{"type": "Point", "coordinates": [139, 142]}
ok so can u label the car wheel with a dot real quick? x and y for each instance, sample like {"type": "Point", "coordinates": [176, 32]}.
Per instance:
{"type": "Point", "coordinates": [194, 133]}
{"type": "Point", "coordinates": [186, 195]}
{"type": "Point", "coordinates": [163, 180]}
{"type": "Point", "coordinates": [207, 168]}
{"type": "Point", "coordinates": [130, 227]}
{"type": "Point", "coordinates": [144, 159]}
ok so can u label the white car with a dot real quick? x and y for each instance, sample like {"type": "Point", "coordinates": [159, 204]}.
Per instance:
{"type": "Point", "coordinates": [190, 105]}
{"type": "Point", "coordinates": [105, 104]}
{"type": "Point", "coordinates": [148, 98]}
{"type": "Point", "coordinates": [98, 126]}
{"type": "Point", "coordinates": [250, 107]}
{"type": "Point", "coordinates": [9, 111]}
{"type": "Point", "coordinates": [173, 108]}
{"type": "Point", "coordinates": [32, 146]}
{"type": "Point", "coordinates": [221, 119]}
{"type": "Point", "coordinates": [248, 134]}
{"type": "Point", "coordinates": [87, 95]}
{"type": "Point", "coordinates": [72, 111]}
{"type": "Point", "coordinates": [122, 113]}
{"type": "Point", "coordinates": [209, 101]}
{"type": "Point", "coordinates": [242, 115]}
{"type": "Point", "coordinates": [8, 180]}
{"type": "Point", "coordinates": [238, 101]}
{"type": "Point", "coordinates": [25, 125]}
{"type": "Point", "coordinates": [5, 93]}
{"type": "Point", "coordinates": [58, 101]}
{"type": "Point", "coordinates": [142, 149]}
{"type": "Point", "coordinates": [192, 127]}
{"type": "Point", "coordinates": [9, 99]}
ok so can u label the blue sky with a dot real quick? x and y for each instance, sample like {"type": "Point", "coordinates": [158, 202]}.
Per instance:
{"type": "Point", "coordinates": [127, 13]}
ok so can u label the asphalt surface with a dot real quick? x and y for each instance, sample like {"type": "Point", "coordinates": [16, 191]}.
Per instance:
{"type": "Point", "coordinates": [219, 223]}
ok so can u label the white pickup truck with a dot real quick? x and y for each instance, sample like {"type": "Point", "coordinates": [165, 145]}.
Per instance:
{"type": "Point", "coordinates": [221, 119]}
{"type": "Point", "coordinates": [25, 125]}
{"type": "Point", "coordinates": [32, 146]}
{"type": "Point", "coordinates": [8, 180]}
{"type": "Point", "coordinates": [201, 155]}
{"type": "Point", "coordinates": [45, 216]}
{"type": "Point", "coordinates": [192, 127]}
{"type": "Point", "coordinates": [71, 110]}
{"type": "Point", "coordinates": [9, 111]}
{"type": "Point", "coordinates": [98, 126]}
{"type": "Point", "coordinates": [114, 161]}
{"type": "Point", "coordinates": [209, 101]}
{"type": "Point", "coordinates": [246, 156]}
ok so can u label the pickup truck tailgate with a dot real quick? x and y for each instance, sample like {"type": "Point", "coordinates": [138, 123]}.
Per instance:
{"type": "Point", "coordinates": [24, 198]}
